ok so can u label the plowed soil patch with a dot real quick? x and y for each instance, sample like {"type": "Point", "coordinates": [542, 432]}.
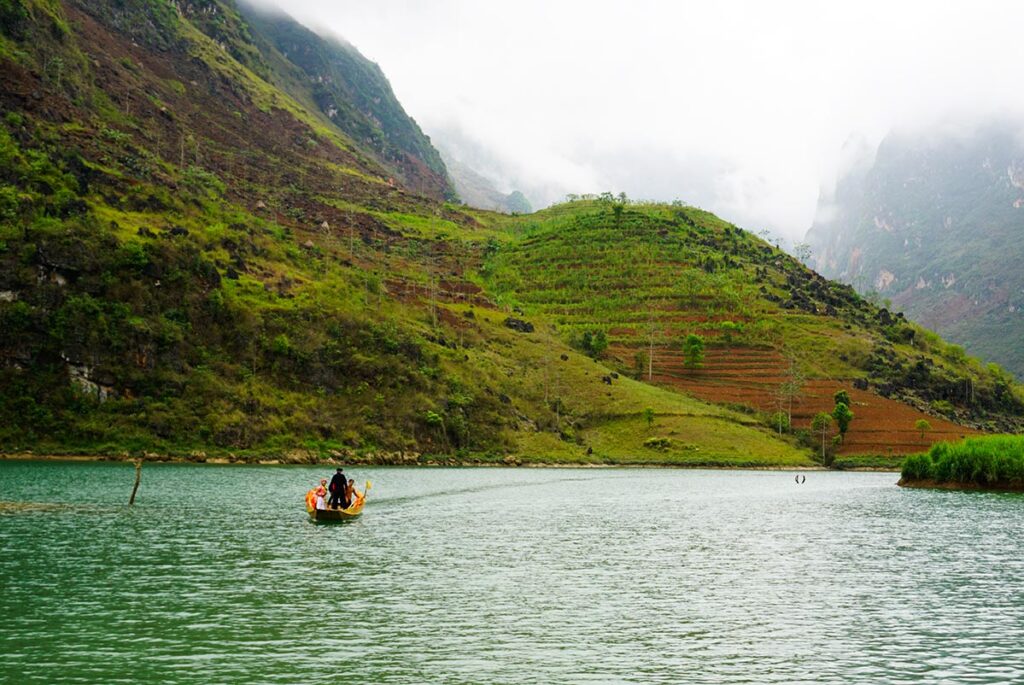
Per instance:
{"type": "Point", "coordinates": [753, 377]}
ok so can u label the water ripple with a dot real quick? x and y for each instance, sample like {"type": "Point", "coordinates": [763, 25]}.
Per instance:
{"type": "Point", "coordinates": [506, 576]}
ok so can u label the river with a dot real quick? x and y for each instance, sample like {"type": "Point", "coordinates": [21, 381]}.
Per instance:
{"type": "Point", "coordinates": [506, 576]}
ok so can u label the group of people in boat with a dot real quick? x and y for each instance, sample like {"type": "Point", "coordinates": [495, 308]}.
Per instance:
{"type": "Point", "coordinates": [339, 494]}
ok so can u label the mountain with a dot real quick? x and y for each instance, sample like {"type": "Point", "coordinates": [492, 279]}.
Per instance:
{"type": "Point", "coordinates": [196, 259]}
{"type": "Point", "coordinates": [193, 260]}
{"type": "Point", "coordinates": [477, 191]}
{"type": "Point", "coordinates": [487, 179]}
{"type": "Point", "coordinates": [333, 78]}
{"type": "Point", "coordinates": [932, 223]}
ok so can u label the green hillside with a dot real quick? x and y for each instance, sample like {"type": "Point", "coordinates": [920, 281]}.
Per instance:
{"type": "Point", "coordinates": [174, 282]}
{"type": "Point", "coordinates": [197, 259]}
{"type": "Point", "coordinates": [645, 277]}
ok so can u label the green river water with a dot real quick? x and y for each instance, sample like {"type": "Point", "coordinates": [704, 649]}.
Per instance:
{"type": "Point", "coordinates": [506, 576]}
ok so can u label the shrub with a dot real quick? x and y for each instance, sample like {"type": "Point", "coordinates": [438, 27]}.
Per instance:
{"type": "Point", "coordinates": [113, 135]}
{"type": "Point", "coordinates": [201, 181]}
{"type": "Point", "coordinates": [693, 351]}
{"type": "Point", "coordinates": [729, 329]}
{"type": "Point", "coordinates": [917, 467]}
{"type": "Point", "coordinates": [592, 343]}
{"type": "Point", "coordinates": [995, 460]}
{"type": "Point", "coordinates": [779, 421]}
{"type": "Point", "coordinates": [13, 18]}
{"type": "Point", "coordinates": [281, 345]}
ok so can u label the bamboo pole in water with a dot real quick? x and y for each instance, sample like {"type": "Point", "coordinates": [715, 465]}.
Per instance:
{"type": "Point", "coordinates": [138, 478]}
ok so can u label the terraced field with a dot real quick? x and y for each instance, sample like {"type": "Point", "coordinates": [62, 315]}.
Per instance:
{"type": "Point", "coordinates": [648, 276]}
{"type": "Point", "coordinates": [754, 376]}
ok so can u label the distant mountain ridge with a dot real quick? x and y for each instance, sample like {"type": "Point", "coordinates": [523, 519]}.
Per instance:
{"type": "Point", "coordinates": [478, 191]}
{"type": "Point", "coordinates": [934, 223]}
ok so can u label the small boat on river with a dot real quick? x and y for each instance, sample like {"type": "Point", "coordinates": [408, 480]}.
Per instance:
{"type": "Point", "coordinates": [352, 512]}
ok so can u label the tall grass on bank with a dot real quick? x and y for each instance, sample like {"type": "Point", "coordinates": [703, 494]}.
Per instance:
{"type": "Point", "coordinates": [990, 461]}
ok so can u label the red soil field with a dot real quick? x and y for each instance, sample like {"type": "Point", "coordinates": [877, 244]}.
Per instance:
{"type": "Point", "coordinates": [752, 377]}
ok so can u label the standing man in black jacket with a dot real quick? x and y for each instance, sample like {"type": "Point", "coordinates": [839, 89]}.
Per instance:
{"type": "Point", "coordinates": [337, 490]}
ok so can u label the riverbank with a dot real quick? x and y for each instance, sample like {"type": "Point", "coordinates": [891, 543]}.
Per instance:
{"type": "Point", "coordinates": [931, 484]}
{"type": "Point", "coordinates": [419, 460]}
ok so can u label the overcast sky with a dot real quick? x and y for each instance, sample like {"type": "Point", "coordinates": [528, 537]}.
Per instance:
{"type": "Point", "coordinates": [739, 107]}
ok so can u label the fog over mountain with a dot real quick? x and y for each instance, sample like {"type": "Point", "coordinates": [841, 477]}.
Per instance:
{"type": "Point", "coordinates": [736, 107]}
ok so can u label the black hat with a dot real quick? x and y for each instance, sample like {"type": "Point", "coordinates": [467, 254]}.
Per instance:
{"type": "Point", "coordinates": [339, 469]}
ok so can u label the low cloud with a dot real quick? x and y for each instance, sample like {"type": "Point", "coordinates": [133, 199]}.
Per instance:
{"type": "Point", "coordinates": [740, 107]}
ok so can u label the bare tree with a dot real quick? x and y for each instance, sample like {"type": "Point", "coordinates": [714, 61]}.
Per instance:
{"type": "Point", "coordinates": [791, 387]}
{"type": "Point", "coordinates": [803, 252]}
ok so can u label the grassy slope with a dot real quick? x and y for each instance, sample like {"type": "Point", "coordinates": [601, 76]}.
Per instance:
{"type": "Point", "coordinates": [654, 273]}
{"type": "Point", "coordinates": [173, 282]}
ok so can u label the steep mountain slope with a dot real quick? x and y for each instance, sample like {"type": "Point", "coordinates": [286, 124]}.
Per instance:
{"type": "Point", "coordinates": [351, 92]}
{"type": "Point", "coordinates": [193, 260]}
{"type": "Point", "coordinates": [933, 224]}
{"type": "Point", "coordinates": [477, 191]}
{"type": "Point", "coordinates": [646, 277]}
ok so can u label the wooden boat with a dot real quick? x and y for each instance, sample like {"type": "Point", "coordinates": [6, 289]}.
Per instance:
{"type": "Point", "coordinates": [354, 511]}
